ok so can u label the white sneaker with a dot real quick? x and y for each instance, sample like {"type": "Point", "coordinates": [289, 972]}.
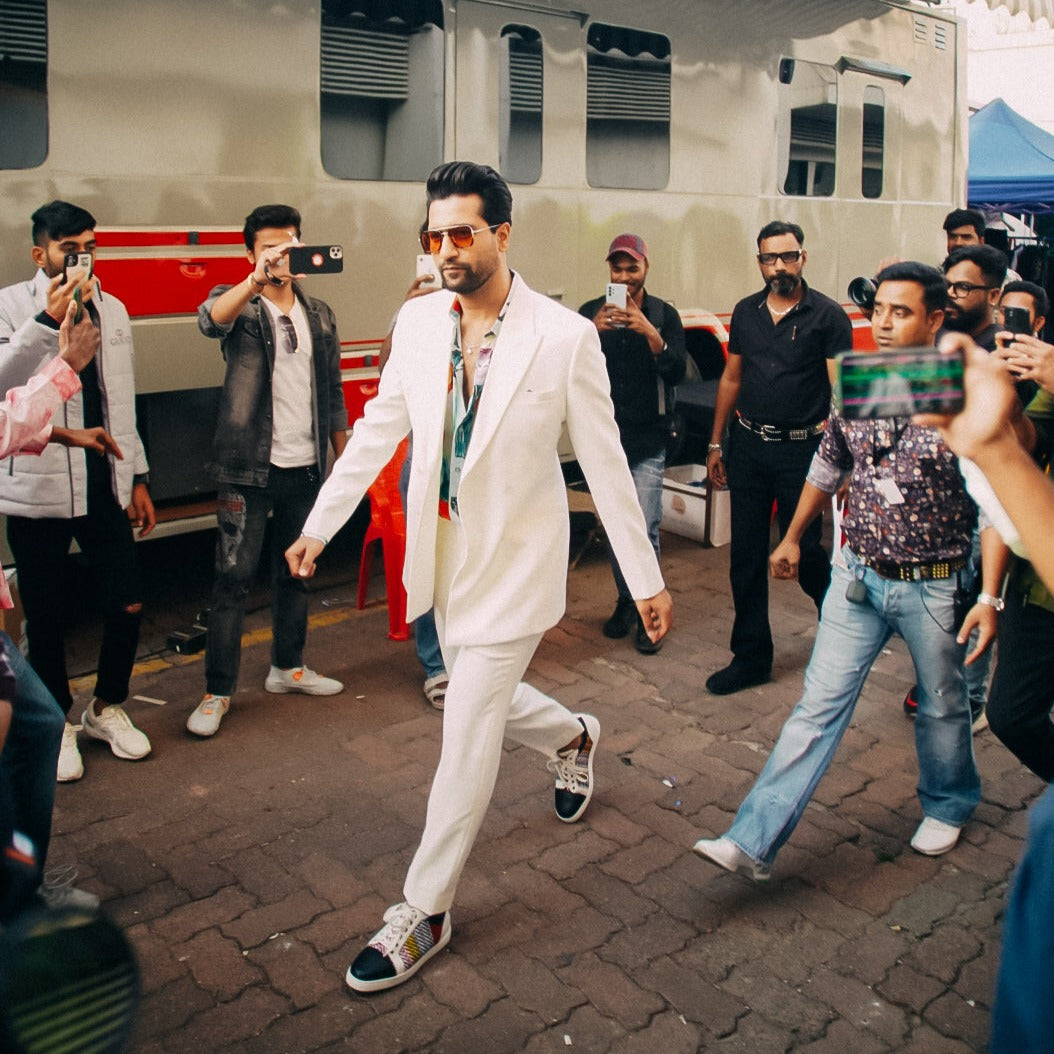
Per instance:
{"type": "Point", "coordinates": [934, 837]}
{"type": "Point", "coordinates": [112, 725]}
{"type": "Point", "coordinates": [301, 679]}
{"type": "Point", "coordinates": [207, 715]}
{"type": "Point", "coordinates": [725, 853]}
{"type": "Point", "coordinates": [71, 767]}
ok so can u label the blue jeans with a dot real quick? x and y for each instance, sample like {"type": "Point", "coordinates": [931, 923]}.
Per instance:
{"type": "Point", "coordinates": [31, 753]}
{"type": "Point", "coordinates": [849, 639]}
{"type": "Point", "coordinates": [241, 516]}
{"type": "Point", "coordinates": [647, 480]}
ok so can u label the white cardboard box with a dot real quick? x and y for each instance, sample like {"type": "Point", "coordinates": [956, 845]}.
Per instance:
{"type": "Point", "coordinates": [693, 508]}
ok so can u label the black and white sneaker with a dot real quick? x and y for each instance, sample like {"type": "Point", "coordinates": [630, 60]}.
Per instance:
{"type": "Point", "coordinates": [407, 940]}
{"type": "Point", "coordinates": [573, 769]}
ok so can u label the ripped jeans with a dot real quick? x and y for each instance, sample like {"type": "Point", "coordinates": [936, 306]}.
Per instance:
{"type": "Point", "coordinates": [848, 640]}
{"type": "Point", "coordinates": [241, 516]}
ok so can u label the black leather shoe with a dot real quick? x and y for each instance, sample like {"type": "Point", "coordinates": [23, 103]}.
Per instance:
{"type": "Point", "coordinates": [622, 620]}
{"type": "Point", "coordinates": [735, 677]}
{"type": "Point", "coordinates": [643, 643]}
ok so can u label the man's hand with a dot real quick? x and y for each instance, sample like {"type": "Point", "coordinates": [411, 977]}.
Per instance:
{"type": "Point", "coordinates": [96, 439]}
{"type": "Point", "coordinates": [422, 284]}
{"type": "Point", "coordinates": [60, 295]}
{"type": "Point", "coordinates": [141, 511]}
{"type": "Point", "coordinates": [1027, 357]}
{"type": "Point", "coordinates": [605, 318]}
{"type": "Point", "coordinates": [783, 563]}
{"type": "Point", "coordinates": [656, 613]}
{"type": "Point", "coordinates": [78, 341]}
{"type": "Point", "coordinates": [301, 556]}
{"type": "Point", "coordinates": [715, 469]}
{"type": "Point", "coordinates": [984, 617]}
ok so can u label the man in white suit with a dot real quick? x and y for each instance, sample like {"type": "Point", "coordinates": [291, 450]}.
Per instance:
{"type": "Point", "coordinates": [487, 379]}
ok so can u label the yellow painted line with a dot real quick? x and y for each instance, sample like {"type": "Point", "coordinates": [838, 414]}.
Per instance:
{"type": "Point", "coordinates": [330, 617]}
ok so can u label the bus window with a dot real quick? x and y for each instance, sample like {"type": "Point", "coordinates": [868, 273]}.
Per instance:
{"type": "Point", "coordinates": [808, 128]}
{"type": "Point", "coordinates": [627, 108]}
{"type": "Point", "coordinates": [381, 88]}
{"type": "Point", "coordinates": [23, 83]}
{"type": "Point", "coordinates": [873, 159]}
{"type": "Point", "coordinates": [520, 104]}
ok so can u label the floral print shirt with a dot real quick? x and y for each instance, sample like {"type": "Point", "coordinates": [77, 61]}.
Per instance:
{"type": "Point", "coordinates": [907, 502]}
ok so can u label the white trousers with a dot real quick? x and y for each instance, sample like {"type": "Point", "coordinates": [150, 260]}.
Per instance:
{"type": "Point", "coordinates": [486, 700]}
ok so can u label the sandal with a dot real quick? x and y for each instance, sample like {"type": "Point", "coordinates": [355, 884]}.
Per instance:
{"type": "Point", "coordinates": [435, 690]}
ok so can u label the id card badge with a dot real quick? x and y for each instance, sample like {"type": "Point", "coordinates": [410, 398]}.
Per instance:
{"type": "Point", "coordinates": [889, 490]}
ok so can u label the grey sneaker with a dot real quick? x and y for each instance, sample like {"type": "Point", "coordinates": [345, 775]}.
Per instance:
{"type": "Point", "coordinates": [725, 853]}
{"type": "Point", "coordinates": [301, 679]}
{"type": "Point", "coordinates": [58, 890]}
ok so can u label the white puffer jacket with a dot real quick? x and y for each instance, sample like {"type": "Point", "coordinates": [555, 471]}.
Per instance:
{"type": "Point", "coordinates": [54, 485]}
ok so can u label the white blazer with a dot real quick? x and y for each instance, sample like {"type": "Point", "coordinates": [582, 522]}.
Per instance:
{"type": "Point", "coordinates": [546, 371]}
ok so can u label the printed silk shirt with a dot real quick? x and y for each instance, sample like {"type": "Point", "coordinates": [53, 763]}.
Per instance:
{"type": "Point", "coordinates": [461, 417]}
{"type": "Point", "coordinates": [888, 460]}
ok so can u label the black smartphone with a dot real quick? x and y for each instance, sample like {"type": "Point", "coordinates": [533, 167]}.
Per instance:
{"type": "Point", "coordinates": [316, 259]}
{"type": "Point", "coordinates": [898, 383]}
{"type": "Point", "coordinates": [1016, 320]}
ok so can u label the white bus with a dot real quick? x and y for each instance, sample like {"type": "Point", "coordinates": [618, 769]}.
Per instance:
{"type": "Point", "coordinates": [690, 122]}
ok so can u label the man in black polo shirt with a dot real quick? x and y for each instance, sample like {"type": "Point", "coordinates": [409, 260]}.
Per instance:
{"type": "Point", "coordinates": [778, 380]}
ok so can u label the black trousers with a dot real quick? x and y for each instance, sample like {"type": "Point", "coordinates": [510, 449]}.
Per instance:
{"type": "Point", "coordinates": [761, 473]}
{"type": "Point", "coordinates": [1022, 691]}
{"type": "Point", "coordinates": [41, 548]}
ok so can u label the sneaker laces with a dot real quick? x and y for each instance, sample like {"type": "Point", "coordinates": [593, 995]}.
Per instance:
{"type": "Point", "coordinates": [114, 715]}
{"type": "Point", "coordinates": [70, 732]}
{"type": "Point", "coordinates": [400, 921]}
{"type": "Point", "coordinates": [60, 878]}
{"type": "Point", "coordinates": [566, 769]}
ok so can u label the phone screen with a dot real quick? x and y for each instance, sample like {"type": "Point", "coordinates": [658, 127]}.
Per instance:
{"type": "Point", "coordinates": [898, 383]}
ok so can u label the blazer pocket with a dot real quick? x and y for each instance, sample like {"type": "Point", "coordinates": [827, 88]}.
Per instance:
{"type": "Point", "coordinates": [539, 395]}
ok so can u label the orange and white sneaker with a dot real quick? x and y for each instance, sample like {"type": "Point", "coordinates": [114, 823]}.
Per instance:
{"type": "Point", "coordinates": [301, 679]}
{"type": "Point", "coordinates": [207, 715]}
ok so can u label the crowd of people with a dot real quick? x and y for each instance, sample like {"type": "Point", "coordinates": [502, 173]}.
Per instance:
{"type": "Point", "coordinates": [945, 519]}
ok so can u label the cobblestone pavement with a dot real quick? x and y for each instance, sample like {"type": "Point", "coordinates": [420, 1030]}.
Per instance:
{"type": "Point", "coordinates": [247, 869]}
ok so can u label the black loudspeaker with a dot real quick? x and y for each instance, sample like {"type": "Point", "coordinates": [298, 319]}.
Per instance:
{"type": "Point", "coordinates": [786, 71]}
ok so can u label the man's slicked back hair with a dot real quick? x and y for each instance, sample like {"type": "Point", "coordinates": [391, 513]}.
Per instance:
{"type": "Point", "coordinates": [59, 219]}
{"type": "Point", "coordinates": [264, 216]}
{"type": "Point", "coordinates": [934, 286]}
{"type": "Point", "coordinates": [457, 178]}
{"type": "Point", "coordinates": [778, 227]}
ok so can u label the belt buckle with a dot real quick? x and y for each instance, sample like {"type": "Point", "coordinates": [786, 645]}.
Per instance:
{"type": "Point", "coordinates": [770, 431]}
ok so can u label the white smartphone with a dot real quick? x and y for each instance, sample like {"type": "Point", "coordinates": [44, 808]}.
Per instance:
{"type": "Point", "coordinates": [426, 265]}
{"type": "Point", "coordinates": [616, 295]}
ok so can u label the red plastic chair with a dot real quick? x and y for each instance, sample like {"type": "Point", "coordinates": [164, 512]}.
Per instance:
{"type": "Point", "coordinates": [387, 526]}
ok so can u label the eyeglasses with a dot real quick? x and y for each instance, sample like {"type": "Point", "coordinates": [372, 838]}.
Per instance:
{"type": "Point", "coordinates": [789, 257]}
{"type": "Point", "coordinates": [289, 333]}
{"type": "Point", "coordinates": [461, 237]}
{"type": "Point", "coordinates": [965, 288]}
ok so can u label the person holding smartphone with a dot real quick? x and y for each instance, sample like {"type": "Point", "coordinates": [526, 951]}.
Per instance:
{"type": "Point", "coordinates": [281, 407]}
{"type": "Point", "coordinates": [908, 525]}
{"type": "Point", "coordinates": [59, 496]}
{"type": "Point", "coordinates": [642, 339]}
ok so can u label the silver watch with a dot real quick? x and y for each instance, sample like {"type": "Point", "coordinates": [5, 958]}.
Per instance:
{"type": "Point", "coordinates": [992, 601]}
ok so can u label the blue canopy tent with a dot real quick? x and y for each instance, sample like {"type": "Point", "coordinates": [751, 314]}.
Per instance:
{"type": "Point", "coordinates": [1011, 162]}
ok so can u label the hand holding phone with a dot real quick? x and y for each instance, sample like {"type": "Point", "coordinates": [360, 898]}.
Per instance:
{"type": "Point", "coordinates": [316, 259]}
{"type": "Point", "coordinates": [426, 267]}
{"type": "Point", "coordinates": [77, 267]}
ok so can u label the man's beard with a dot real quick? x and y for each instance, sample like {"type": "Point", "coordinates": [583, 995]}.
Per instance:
{"type": "Point", "coordinates": [966, 322]}
{"type": "Point", "coordinates": [468, 281]}
{"type": "Point", "coordinates": [784, 284]}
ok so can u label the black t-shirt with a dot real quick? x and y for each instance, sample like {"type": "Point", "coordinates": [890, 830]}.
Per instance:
{"type": "Point", "coordinates": [784, 361]}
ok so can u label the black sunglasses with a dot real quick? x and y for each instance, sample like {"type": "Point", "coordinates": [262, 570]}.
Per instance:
{"type": "Point", "coordinates": [289, 332]}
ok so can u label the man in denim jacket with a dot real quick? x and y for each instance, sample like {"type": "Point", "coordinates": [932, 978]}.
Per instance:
{"type": "Point", "coordinates": [282, 404]}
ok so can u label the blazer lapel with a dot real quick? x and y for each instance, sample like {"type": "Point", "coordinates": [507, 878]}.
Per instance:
{"type": "Point", "coordinates": [518, 342]}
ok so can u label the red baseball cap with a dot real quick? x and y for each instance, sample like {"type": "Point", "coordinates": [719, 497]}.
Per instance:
{"type": "Point", "coordinates": [632, 244]}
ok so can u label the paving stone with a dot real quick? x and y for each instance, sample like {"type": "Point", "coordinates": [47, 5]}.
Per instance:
{"type": "Point", "coordinates": [860, 1005]}
{"type": "Point", "coordinates": [502, 1027]}
{"type": "Point", "coordinates": [533, 986]}
{"type": "Point", "coordinates": [952, 1016]}
{"type": "Point", "coordinates": [460, 986]}
{"type": "Point", "coordinates": [692, 995]}
{"type": "Point", "coordinates": [768, 995]}
{"type": "Point", "coordinates": [669, 1032]}
{"type": "Point", "coordinates": [637, 862]}
{"type": "Point", "coordinates": [632, 946]}
{"type": "Point", "coordinates": [611, 991]}
{"type": "Point", "coordinates": [294, 970]}
{"type": "Point", "coordinates": [909, 987]}
{"type": "Point", "coordinates": [151, 902]}
{"type": "Point", "coordinates": [183, 922]}
{"type": "Point", "coordinates": [220, 1026]}
{"type": "Point", "coordinates": [842, 1037]}
{"type": "Point", "coordinates": [611, 895]}
{"type": "Point", "coordinates": [256, 925]}
{"type": "Point", "coordinates": [217, 964]}
{"type": "Point", "coordinates": [940, 953]}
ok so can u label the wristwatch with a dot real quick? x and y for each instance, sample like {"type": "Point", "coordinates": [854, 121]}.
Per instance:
{"type": "Point", "coordinates": [712, 447]}
{"type": "Point", "coordinates": [993, 602]}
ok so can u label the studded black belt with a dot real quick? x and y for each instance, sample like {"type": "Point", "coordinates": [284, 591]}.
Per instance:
{"type": "Point", "coordinates": [772, 434]}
